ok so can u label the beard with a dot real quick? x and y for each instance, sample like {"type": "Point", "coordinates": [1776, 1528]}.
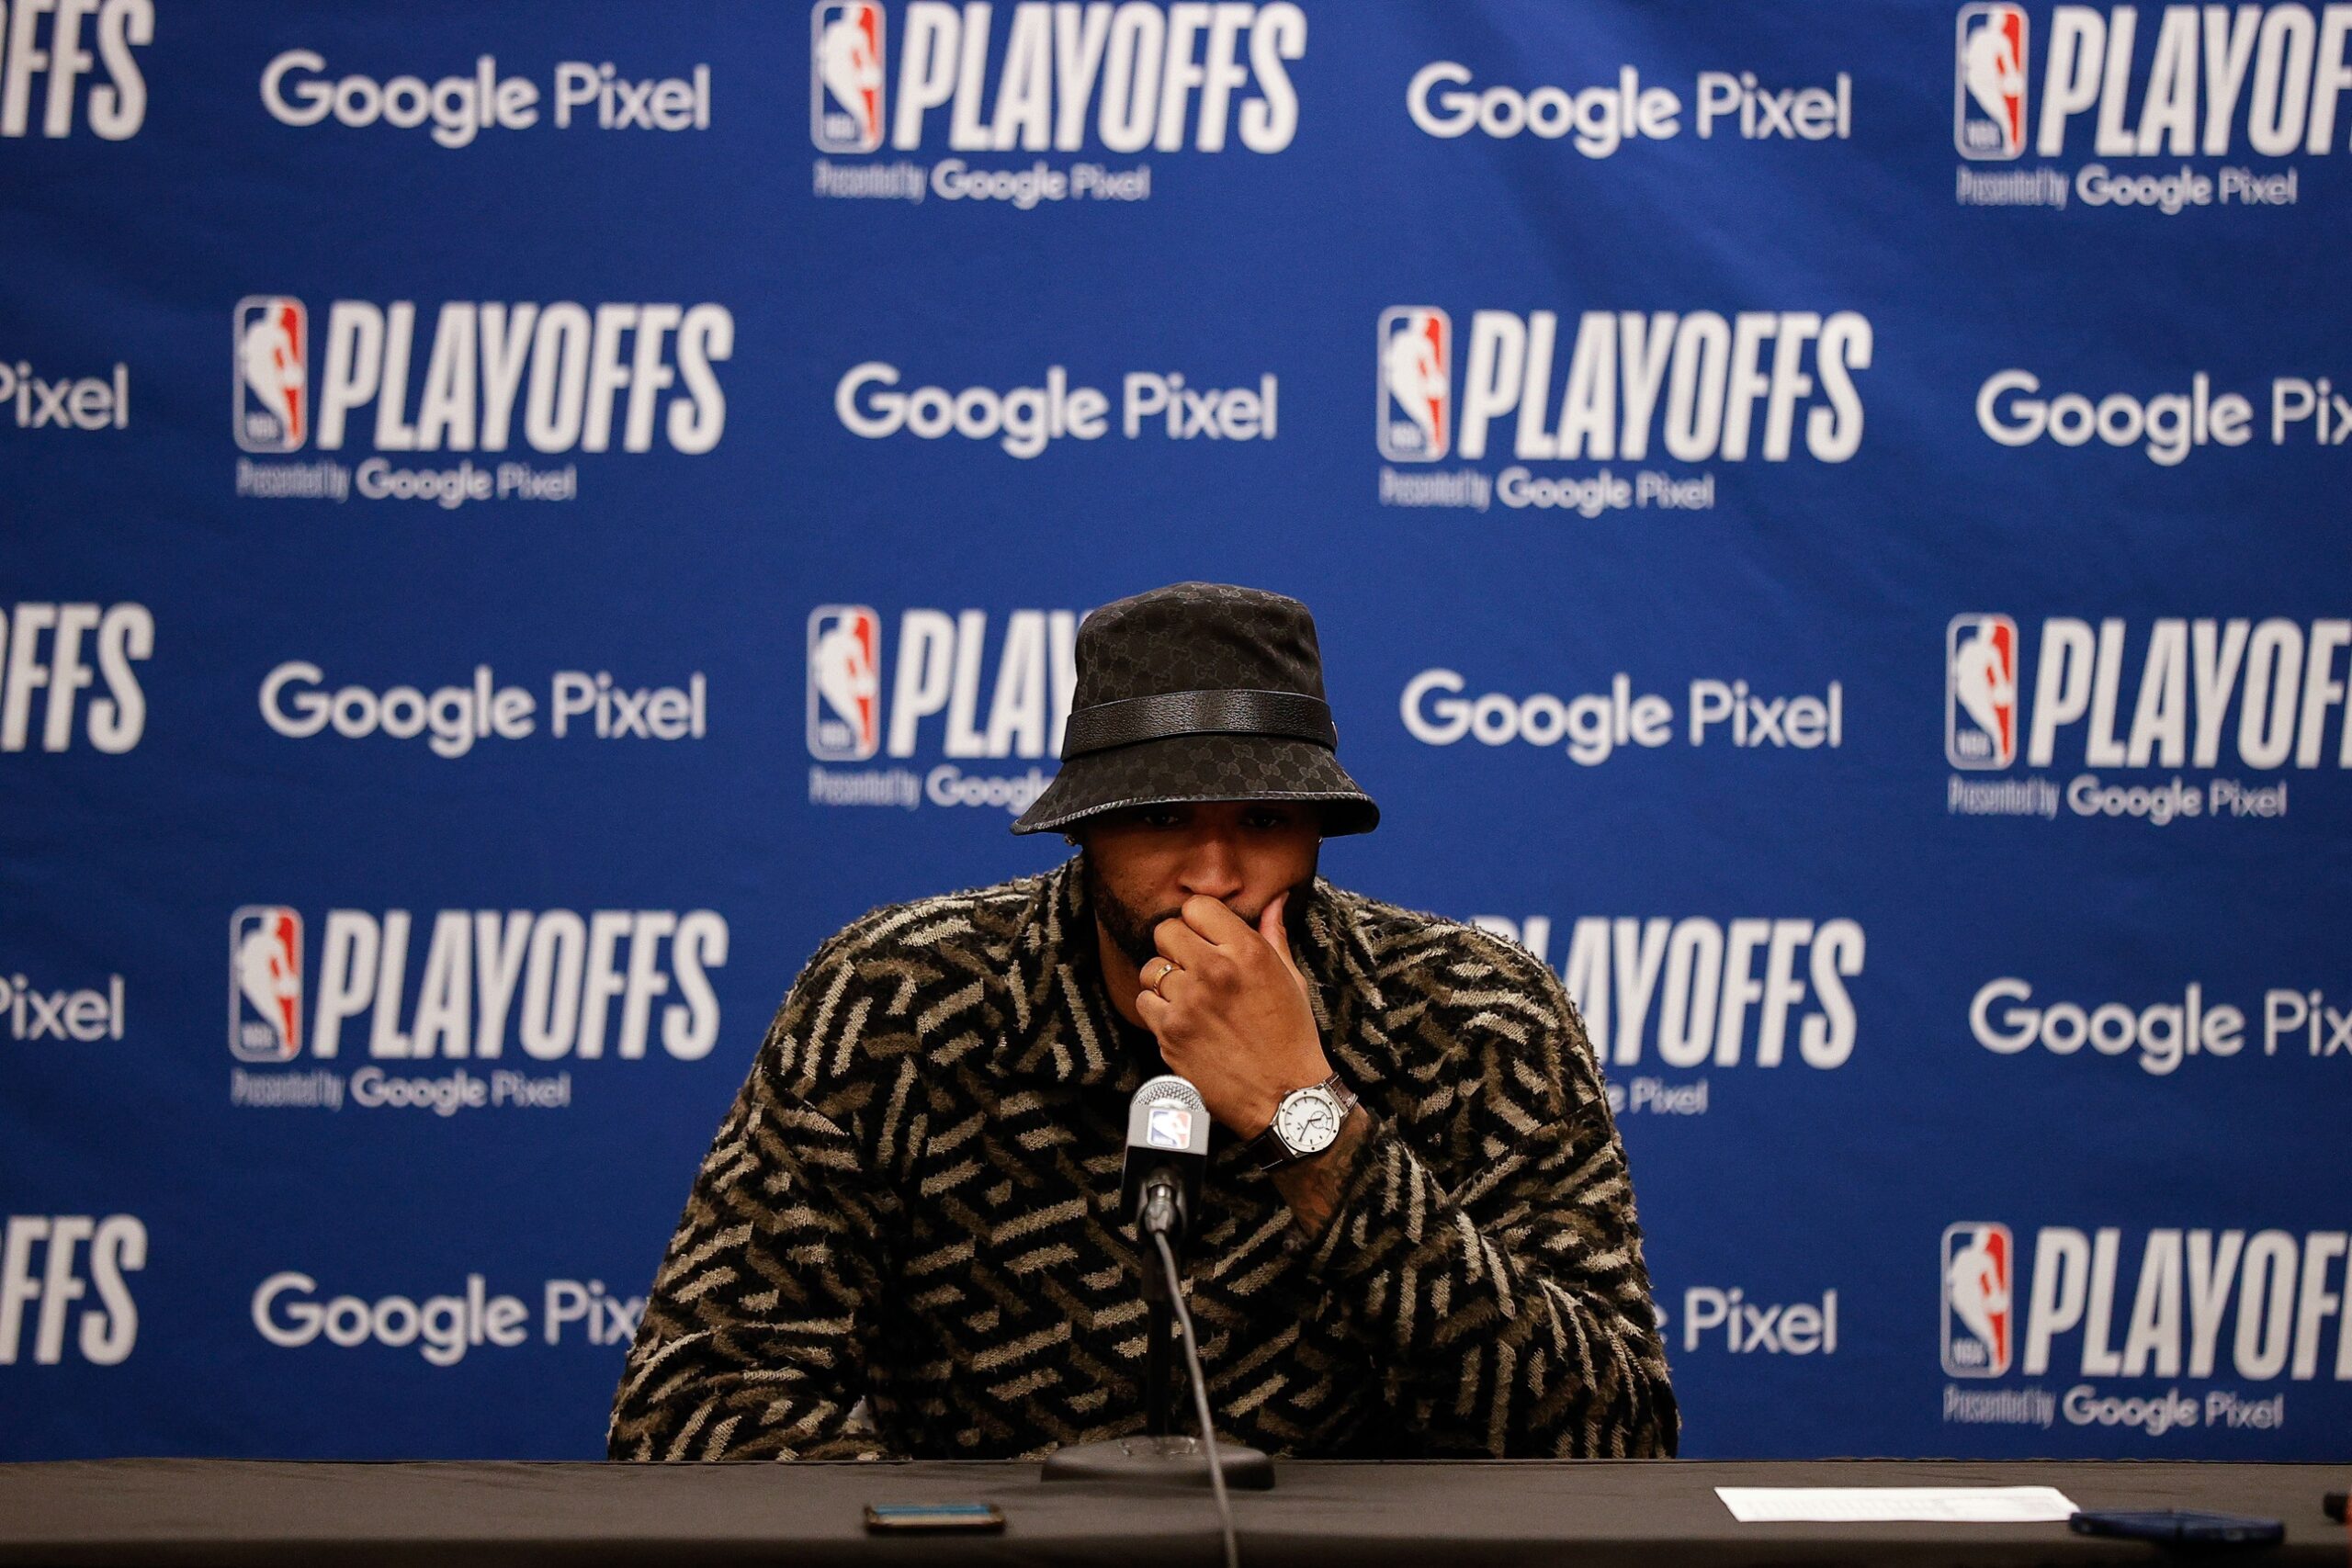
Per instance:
{"type": "Point", "coordinates": [1130, 928]}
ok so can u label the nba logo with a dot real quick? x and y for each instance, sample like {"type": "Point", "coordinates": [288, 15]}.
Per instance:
{"type": "Point", "coordinates": [1978, 1301]}
{"type": "Point", "coordinates": [1981, 692]}
{"type": "Point", "coordinates": [846, 76]}
{"type": "Point", "coordinates": [1416, 383]}
{"type": "Point", "coordinates": [1168, 1127]}
{"type": "Point", "coordinates": [844, 683]}
{"type": "Point", "coordinates": [273, 351]}
{"type": "Point", "coordinates": [1988, 109]}
{"type": "Point", "coordinates": [265, 984]}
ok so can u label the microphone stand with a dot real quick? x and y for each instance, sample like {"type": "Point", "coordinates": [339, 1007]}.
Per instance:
{"type": "Point", "coordinates": [1162, 1214]}
{"type": "Point", "coordinates": [1162, 1456]}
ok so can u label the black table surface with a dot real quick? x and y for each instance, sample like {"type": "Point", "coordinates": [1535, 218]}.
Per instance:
{"type": "Point", "coordinates": [1425, 1515]}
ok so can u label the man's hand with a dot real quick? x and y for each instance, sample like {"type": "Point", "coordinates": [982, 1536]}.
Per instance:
{"type": "Point", "coordinates": [1233, 1015]}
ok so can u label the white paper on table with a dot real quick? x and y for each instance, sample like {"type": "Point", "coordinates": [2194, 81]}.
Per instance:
{"type": "Point", "coordinates": [1938, 1505]}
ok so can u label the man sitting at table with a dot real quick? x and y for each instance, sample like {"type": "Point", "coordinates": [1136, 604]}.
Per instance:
{"type": "Point", "coordinates": [1418, 1239]}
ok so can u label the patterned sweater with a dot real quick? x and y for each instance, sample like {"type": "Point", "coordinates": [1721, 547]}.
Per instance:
{"type": "Point", "coordinates": [913, 1201]}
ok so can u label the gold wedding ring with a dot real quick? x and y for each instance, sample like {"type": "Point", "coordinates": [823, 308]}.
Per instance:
{"type": "Point", "coordinates": [1168, 966]}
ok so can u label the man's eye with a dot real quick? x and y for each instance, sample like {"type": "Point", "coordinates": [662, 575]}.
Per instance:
{"type": "Point", "coordinates": [1157, 819]}
{"type": "Point", "coordinates": [1268, 819]}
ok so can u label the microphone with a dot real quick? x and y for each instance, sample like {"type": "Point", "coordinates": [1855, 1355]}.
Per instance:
{"type": "Point", "coordinates": [1168, 1155]}
{"type": "Point", "coordinates": [1168, 1151]}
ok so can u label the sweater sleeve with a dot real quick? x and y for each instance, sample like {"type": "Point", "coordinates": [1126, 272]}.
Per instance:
{"type": "Point", "coordinates": [754, 1340]}
{"type": "Point", "coordinates": [1504, 1304]}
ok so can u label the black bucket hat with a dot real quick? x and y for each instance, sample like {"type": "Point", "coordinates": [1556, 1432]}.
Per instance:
{"type": "Point", "coordinates": [1200, 692]}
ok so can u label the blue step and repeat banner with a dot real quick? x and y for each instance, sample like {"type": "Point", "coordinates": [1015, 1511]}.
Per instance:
{"type": "Point", "coordinates": [1827, 524]}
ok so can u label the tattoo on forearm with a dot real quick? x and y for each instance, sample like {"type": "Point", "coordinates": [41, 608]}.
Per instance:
{"type": "Point", "coordinates": [1311, 1185]}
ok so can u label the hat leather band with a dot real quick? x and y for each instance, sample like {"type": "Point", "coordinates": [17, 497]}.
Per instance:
{"type": "Point", "coordinates": [1292, 716]}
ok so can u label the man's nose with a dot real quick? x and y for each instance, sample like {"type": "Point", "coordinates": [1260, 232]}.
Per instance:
{"type": "Point", "coordinates": [1212, 866]}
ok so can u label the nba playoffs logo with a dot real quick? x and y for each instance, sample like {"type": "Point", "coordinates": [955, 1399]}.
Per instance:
{"type": "Point", "coordinates": [273, 348]}
{"type": "Point", "coordinates": [846, 76]}
{"type": "Point", "coordinates": [844, 683]}
{"type": "Point", "coordinates": [1977, 1313]}
{"type": "Point", "coordinates": [1988, 110]}
{"type": "Point", "coordinates": [265, 984]}
{"type": "Point", "coordinates": [1981, 692]}
{"type": "Point", "coordinates": [1416, 383]}
{"type": "Point", "coordinates": [1169, 1127]}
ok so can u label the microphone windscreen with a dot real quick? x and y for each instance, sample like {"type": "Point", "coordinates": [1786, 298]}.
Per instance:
{"type": "Point", "coordinates": [1169, 1088]}
{"type": "Point", "coordinates": [1167, 1116]}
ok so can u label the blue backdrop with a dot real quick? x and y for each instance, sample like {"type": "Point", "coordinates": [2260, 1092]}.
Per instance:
{"type": "Point", "coordinates": [1826, 523]}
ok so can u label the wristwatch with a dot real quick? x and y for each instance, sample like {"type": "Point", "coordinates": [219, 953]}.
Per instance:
{"type": "Point", "coordinates": [1307, 1121]}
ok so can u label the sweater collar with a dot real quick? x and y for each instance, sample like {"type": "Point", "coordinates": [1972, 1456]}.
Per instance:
{"type": "Point", "coordinates": [1063, 1030]}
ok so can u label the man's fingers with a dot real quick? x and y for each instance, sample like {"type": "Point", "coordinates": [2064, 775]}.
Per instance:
{"type": "Point", "coordinates": [1269, 923]}
{"type": "Point", "coordinates": [1215, 921]}
{"type": "Point", "coordinates": [1183, 946]}
{"type": "Point", "coordinates": [1277, 935]}
{"type": "Point", "coordinates": [1152, 1008]}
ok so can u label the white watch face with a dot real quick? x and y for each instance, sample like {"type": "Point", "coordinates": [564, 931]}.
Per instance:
{"type": "Point", "coordinates": [1308, 1120]}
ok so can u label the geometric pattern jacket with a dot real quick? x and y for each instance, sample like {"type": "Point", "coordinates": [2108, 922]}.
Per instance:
{"type": "Point", "coordinates": [913, 1204]}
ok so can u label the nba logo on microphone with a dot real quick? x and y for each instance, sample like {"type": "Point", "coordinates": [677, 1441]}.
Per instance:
{"type": "Point", "coordinates": [1416, 383]}
{"type": "Point", "coordinates": [846, 76]}
{"type": "Point", "coordinates": [265, 984]}
{"type": "Point", "coordinates": [272, 366]}
{"type": "Point", "coordinates": [1988, 109]}
{"type": "Point", "coordinates": [1981, 692]}
{"type": "Point", "coordinates": [1978, 1315]}
{"type": "Point", "coordinates": [1169, 1127]}
{"type": "Point", "coordinates": [844, 683]}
